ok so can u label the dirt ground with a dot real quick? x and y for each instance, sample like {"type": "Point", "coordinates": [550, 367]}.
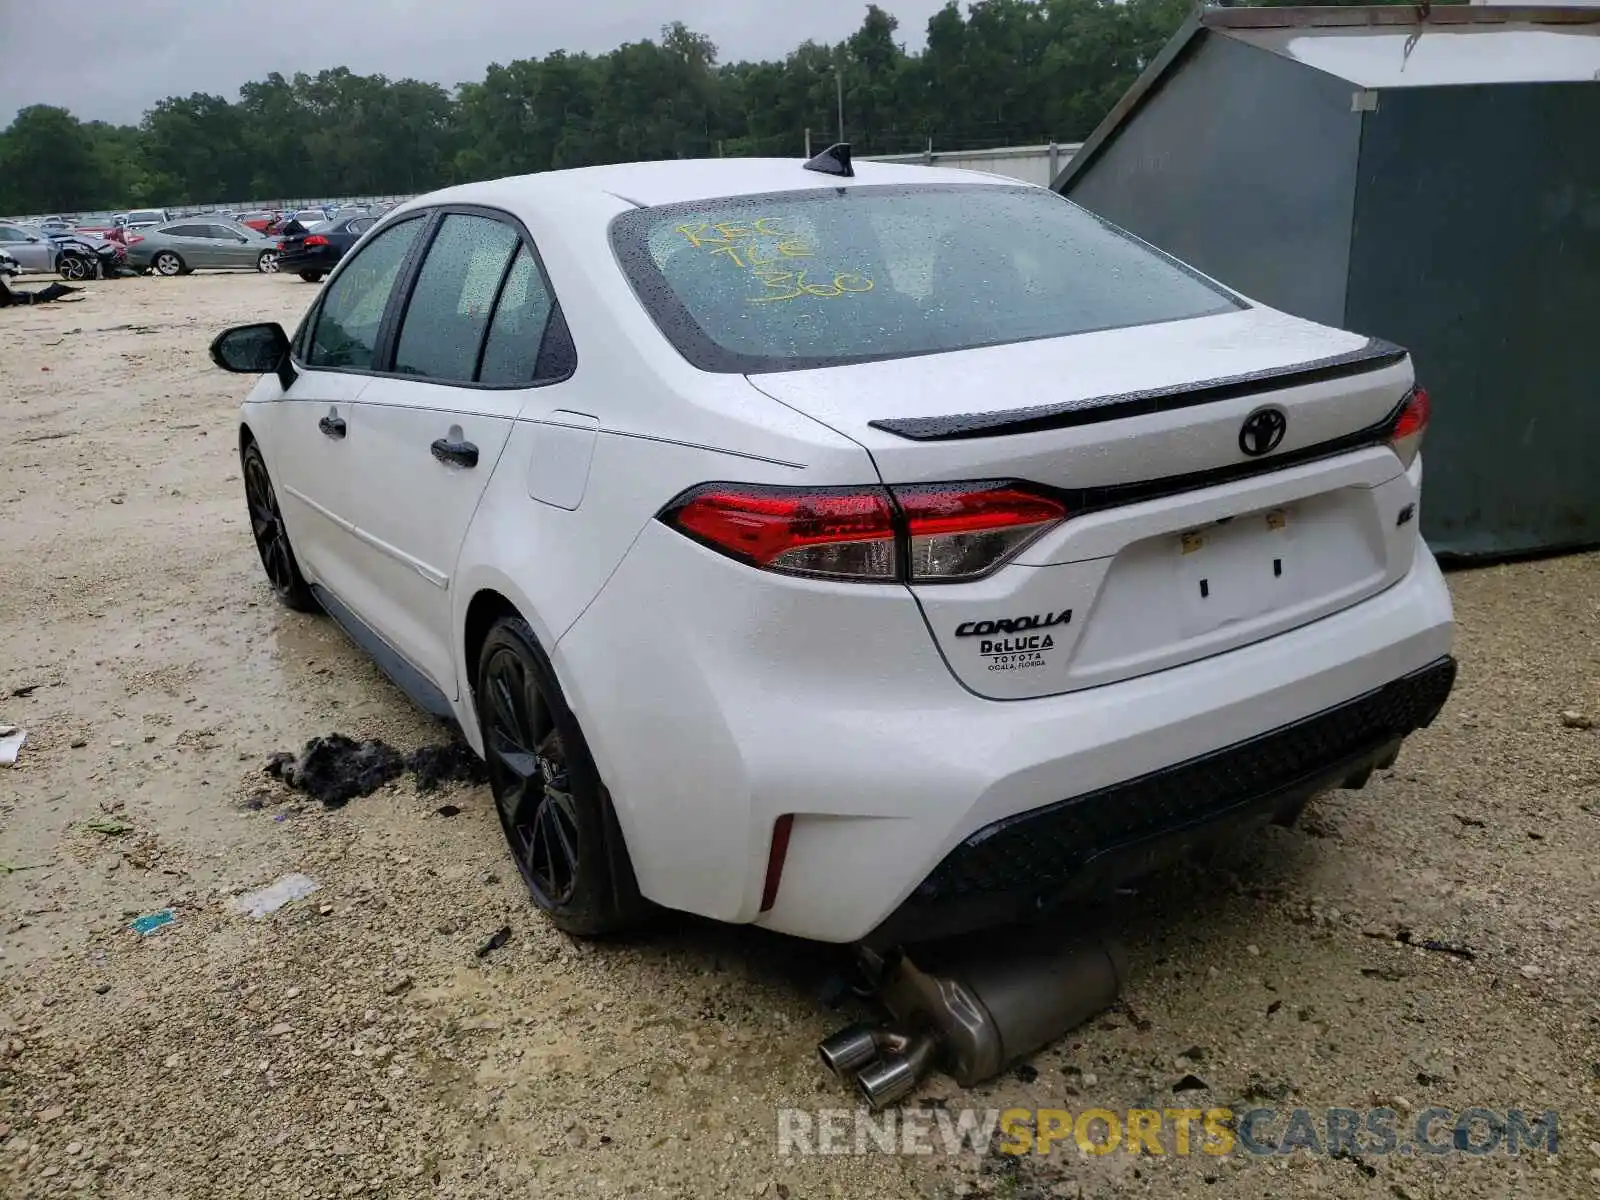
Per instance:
{"type": "Point", "coordinates": [355, 1043]}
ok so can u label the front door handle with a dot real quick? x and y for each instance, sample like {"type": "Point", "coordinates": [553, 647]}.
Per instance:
{"type": "Point", "coordinates": [456, 454]}
{"type": "Point", "coordinates": [334, 427]}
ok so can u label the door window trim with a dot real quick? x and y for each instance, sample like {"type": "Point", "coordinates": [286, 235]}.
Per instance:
{"type": "Point", "coordinates": [400, 302]}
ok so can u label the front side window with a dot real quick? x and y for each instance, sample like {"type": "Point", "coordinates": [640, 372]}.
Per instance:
{"type": "Point", "coordinates": [8, 234]}
{"type": "Point", "coordinates": [454, 297]}
{"type": "Point", "coordinates": [830, 276]}
{"type": "Point", "coordinates": [346, 332]}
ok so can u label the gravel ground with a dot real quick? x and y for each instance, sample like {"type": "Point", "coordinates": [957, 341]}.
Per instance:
{"type": "Point", "coordinates": [355, 1042]}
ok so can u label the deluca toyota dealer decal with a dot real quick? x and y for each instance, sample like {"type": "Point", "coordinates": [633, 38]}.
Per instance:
{"type": "Point", "coordinates": [1022, 648]}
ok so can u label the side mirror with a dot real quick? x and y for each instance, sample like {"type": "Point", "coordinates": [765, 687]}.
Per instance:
{"type": "Point", "coordinates": [33, 237]}
{"type": "Point", "coordinates": [254, 350]}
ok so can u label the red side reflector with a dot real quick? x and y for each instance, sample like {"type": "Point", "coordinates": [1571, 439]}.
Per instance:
{"type": "Point", "coordinates": [781, 828]}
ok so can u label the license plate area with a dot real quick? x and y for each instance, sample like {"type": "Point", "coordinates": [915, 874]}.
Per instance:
{"type": "Point", "coordinates": [1237, 568]}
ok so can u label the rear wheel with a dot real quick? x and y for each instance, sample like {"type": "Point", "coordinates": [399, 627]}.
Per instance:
{"type": "Point", "coordinates": [555, 811]}
{"type": "Point", "coordinates": [272, 535]}
{"type": "Point", "coordinates": [167, 263]}
{"type": "Point", "coordinates": [311, 276]}
{"type": "Point", "coordinates": [267, 264]}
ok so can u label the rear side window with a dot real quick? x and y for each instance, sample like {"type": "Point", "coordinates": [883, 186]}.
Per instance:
{"type": "Point", "coordinates": [818, 278]}
{"type": "Point", "coordinates": [517, 333]}
{"type": "Point", "coordinates": [346, 331]}
{"type": "Point", "coordinates": [454, 298]}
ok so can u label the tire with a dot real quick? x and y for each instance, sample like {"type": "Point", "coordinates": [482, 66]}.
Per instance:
{"type": "Point", "coordinates": [267, 263]}
{"type": "Point", "coordinates": [74, 267]}
{"type": "Point", "coordinates": [168, 263]}
{"type": "Point", "coordinates": [272, 535]}
{"type": "Point", "coordinates": [311, 276]}
{"type": "Point", "coordinates": [555, 811]}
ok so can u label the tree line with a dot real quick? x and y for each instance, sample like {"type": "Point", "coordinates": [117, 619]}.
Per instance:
{"type": "Point", "coordinates": [1000, 72]}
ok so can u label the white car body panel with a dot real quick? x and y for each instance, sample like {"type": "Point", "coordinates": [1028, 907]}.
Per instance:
{"type": "Point", "coordinates": [413, 512]}
{"type": "Point", "coordinates": [705, 740]}
{"type": "Point", "coordinates": [311, 471]}
{"type": "Point", "coordinates": [717, 697]}
{"type": "Point", "coordinates": [1083, 368]}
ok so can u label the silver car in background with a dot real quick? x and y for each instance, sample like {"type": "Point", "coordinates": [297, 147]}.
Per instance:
{"type": "Point", "coordinates": [33, 251]}
{"type": "Point", "coordinates": [144, 218]}
{"type": "Point", "coordinates": [198, 243]}
{"type": "Point", "coordinates": [42, 250]}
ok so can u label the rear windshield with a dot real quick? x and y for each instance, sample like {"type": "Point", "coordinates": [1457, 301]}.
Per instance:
{"type": "Point", "coordinates": [819, 278]}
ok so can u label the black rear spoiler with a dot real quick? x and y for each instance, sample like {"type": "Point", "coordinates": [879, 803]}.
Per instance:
{"type": "Point", "coordinates": [1375, 355]}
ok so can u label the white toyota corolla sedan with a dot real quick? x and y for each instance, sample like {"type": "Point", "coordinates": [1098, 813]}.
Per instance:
{"type": "Point", "coordinates": [867, 553]}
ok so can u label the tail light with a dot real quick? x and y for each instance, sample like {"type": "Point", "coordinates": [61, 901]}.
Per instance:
{"type": "Point", "coordinates": [316, 239]}
{"type": "Point", "coordinates": [940, 533]}
{"type": "Point", "coordinates": [1410, 425]}
{"type": "Point", "coordinates": [134, 239]}
{"type": "Point", "coordinates": [835, 532]}
{"type": "Point", "coordinates": [964, 531]}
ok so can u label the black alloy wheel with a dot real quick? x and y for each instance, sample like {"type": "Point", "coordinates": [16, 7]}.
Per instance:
{"type": "Point", "coordinates": [555, 812]}
{"type": "Point", "coordinates": [272, 536]}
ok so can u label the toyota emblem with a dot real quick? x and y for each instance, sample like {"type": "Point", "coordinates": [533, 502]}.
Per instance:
{"type": "Point", "coordinates": [1262, 431]}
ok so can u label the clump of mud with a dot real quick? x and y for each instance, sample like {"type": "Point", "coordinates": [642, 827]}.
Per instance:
{"type": "Point", "coordinates": [336, 769]}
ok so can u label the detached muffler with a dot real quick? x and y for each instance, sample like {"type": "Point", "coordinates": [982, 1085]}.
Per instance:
{"type": "Point", "coordinates": [971, 1008]}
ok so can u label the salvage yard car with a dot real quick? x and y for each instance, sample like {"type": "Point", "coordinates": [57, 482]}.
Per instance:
{"type": "Point", "coordinates": [30, 246]}
{"type": "Point", "coordinates": [867, 553]}
{"type": "Point", "coordinates": [189, 244]}
{"type": "Point", "coordinates": [314, 253]}
{"type": "Point", "coordinates": [72, 255]}
{"type": "Point", "coordinates": [146, 218]}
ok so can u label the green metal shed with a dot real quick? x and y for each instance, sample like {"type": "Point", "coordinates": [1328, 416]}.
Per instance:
{"type": "Point", "coordinates": [1430, 177]}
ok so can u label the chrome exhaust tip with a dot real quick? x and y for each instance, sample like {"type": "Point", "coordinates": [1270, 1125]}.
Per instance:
{"type": "Point", "coordinates": [892, 1079]}
{"type": "Point", "coordinates": [847, 1051]}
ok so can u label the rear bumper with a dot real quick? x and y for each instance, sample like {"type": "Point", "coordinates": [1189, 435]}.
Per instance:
{"type": "Point", "coordinates": [1021, 866]}
{"type": "Point", "coordinates": [300, 260]}
{"type": "Point", "coordinates": [716, 702]}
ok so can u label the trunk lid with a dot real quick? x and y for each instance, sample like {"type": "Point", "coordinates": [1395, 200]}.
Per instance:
{"type": "Point", "coordinates": [1186, 535]}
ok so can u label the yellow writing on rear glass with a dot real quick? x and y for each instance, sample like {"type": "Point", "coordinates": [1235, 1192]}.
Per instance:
{"type": "Point", "coordinates": [791, 285]}
{"type": "Point", "coordinates": [762, 246]}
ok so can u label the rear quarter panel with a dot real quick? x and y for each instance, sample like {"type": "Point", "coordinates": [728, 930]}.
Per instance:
{"type": "Point", "coordinates": [661, 427]}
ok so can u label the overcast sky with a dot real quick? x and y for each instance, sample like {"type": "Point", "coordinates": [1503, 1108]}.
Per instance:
{"type": "Point", "coordinates": [144, 50]}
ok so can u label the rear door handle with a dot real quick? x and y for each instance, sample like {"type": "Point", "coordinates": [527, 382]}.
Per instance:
{"type": "Point", "coordinates": [334, 427]}
{"type": "Point", "coordinates": [457, 454]}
